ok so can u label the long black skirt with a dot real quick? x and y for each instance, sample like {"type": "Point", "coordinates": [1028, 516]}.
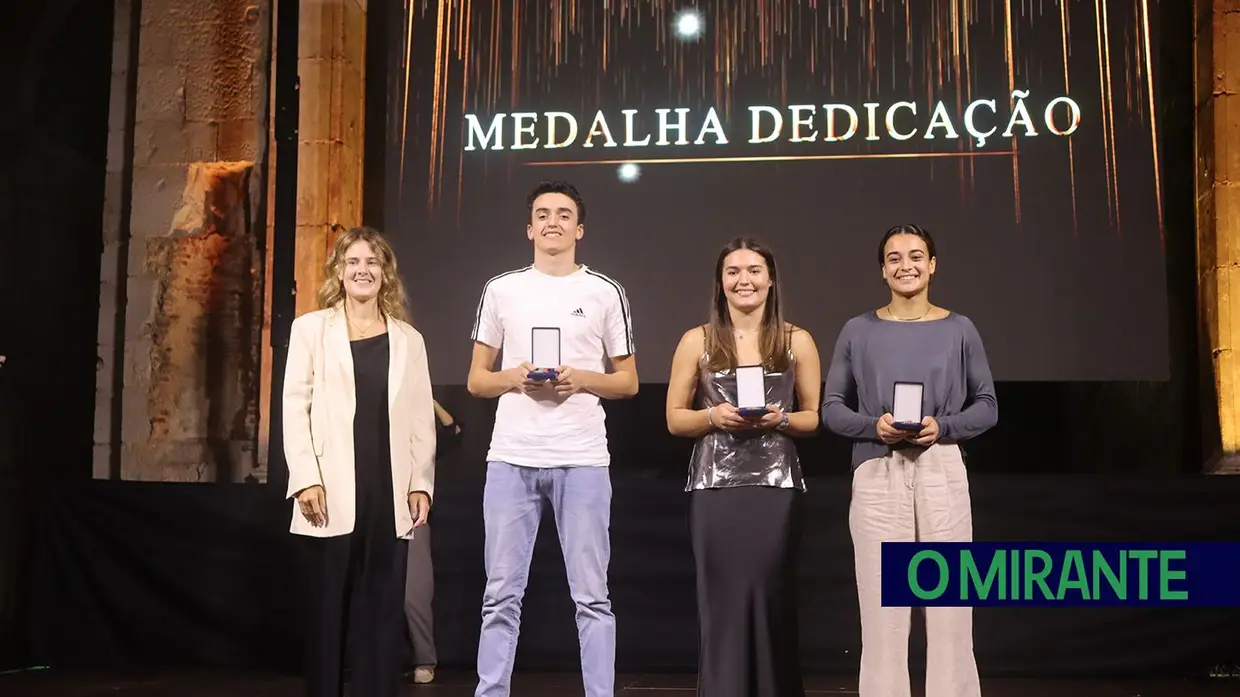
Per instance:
{"type": "Point", "coordinates": [745, 547]}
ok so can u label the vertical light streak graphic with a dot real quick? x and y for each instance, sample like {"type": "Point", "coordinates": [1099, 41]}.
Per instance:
{"type": "Point", "coordinates": [495, 45]}
{"type": "Point", "coordinates": [515, 59]}
{"type": "Point", "coordinates": [1067, 89]}
{"type": "Point", "coordinates": [463, 52]}
{"type": "Point", "coordinates": [436, 100]}
{"type": "Point", "coordinates": [1010, 57]}
{"type": "Point", "coordinates": [404, 119]}
{"type": "Point", "coordinates": [1149, 90]}
{"type": "Point", "coordinates": [968, 63]}
{"type": "Point", "coordinates": [1106, 40]}
{"type": "Point", "coordinates": [1106, 112]}
{"type": "Point", "coordinates": [958, 28]}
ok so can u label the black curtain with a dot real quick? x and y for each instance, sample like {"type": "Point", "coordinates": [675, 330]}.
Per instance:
{"type": "Point", "coordinates": [54, 126]}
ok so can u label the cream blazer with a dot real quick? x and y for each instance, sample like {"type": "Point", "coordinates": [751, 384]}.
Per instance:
{"type": "Point", "coordinates": [319, 404]}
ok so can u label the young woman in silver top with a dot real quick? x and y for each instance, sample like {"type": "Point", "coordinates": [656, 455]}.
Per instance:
{"type": "Point", "coordinates": [745, 479]}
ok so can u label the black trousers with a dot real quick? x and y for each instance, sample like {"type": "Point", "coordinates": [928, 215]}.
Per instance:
{"type": "Point", "coordinates": [745, 548]}
{"type": "Point", "coordinates": [357, 597]}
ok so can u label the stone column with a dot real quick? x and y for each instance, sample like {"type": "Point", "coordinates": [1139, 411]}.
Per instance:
{"type": "Point", "coordinates": [1217, 82]}
{"type": "Point", "coordinates": [182, 272]}
{"type": "Point", "coordinates": [332, 68]}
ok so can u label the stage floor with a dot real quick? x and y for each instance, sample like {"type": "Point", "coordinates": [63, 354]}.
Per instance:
{"type": "Point", "coordinates": [461, 684]}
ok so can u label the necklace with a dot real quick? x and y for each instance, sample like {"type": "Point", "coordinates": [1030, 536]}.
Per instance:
{"type": "Point", "coordinates": [361, 331]}
{"type": "Point", "coordinates": [907, 319]}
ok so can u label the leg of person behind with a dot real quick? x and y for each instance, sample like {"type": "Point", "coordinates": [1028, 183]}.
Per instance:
{"type": "Point", "coordinates": [511, 511]}
{"type": "Point", "coordinates": [881, 510]}
{"type": "Point", "coordinates": [419, 600]}
{"type": "Point", "coordinates": [581, 499]}
{"type": "Point", "coordinates": [944, 514]}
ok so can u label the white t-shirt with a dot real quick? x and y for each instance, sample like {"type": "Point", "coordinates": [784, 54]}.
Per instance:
{"type": "Point", "coordinates": [592, 313]}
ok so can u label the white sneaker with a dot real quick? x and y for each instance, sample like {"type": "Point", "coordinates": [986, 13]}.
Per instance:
{"type": "Point", "coordinates": [421, 676]}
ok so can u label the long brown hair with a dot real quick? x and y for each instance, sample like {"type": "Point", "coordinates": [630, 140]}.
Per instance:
{"type": "Point", "coordinates": [391, 289]}
{"type": "Point", "coordinates": [774, 338]}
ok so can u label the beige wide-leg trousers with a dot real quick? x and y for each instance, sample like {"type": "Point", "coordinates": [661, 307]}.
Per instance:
{"type": "Point", "coordinates": [923, 498]}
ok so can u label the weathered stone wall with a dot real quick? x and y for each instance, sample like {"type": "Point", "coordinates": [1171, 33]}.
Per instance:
{"type": "Point", "coordinates": [1217, 39]}
{"type": "Point", "coordinates": [203, 334]}
{"type": "Point", "coordinates": [182, 271]}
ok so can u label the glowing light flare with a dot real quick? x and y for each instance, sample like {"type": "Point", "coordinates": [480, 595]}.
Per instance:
{"type": "Point", "coordinates": [689, 25]}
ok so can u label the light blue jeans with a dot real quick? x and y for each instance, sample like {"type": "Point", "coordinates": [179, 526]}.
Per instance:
{"type": "Point", "coordinates": [512, 505]}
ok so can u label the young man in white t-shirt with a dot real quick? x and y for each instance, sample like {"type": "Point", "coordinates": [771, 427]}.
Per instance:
{"type": "Point", "coordinates": [549, 445]}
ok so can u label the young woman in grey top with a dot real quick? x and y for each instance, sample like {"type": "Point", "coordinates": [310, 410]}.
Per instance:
{"type": "Point", "coordinates": [909, 485]}
{"type": "Point", "coordinates": [744, 478]}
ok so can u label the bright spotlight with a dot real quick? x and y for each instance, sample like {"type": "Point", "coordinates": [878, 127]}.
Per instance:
{"type": "Point", "coordinates": [629, 172]}
{"type": "Point", "coordinates": [688, 25]}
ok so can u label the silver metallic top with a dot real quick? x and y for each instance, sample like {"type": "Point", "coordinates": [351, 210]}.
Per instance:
{"type": "Point", "coordinates": [764, 457]}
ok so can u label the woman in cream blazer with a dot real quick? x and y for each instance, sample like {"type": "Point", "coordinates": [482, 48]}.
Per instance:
{"type": "Point", "coordinates": [359, 438]}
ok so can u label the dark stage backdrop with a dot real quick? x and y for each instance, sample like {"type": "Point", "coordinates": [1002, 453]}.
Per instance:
{"type": "Point", "coordinates": [54, 127]}
{"type": "Point", "coordinates": [1025, 135]}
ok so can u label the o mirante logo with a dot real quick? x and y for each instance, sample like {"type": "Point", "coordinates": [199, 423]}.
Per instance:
{"type": "Point", "coordinates": [987, 574]}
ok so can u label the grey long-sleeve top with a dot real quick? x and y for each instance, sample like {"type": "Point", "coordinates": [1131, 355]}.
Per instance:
{"type": "Point", "coordinates": [871, 355]}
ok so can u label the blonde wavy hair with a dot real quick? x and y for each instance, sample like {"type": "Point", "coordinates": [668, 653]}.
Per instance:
{"type": "Point", "coordinates": [391, 289]}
